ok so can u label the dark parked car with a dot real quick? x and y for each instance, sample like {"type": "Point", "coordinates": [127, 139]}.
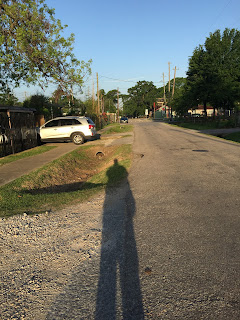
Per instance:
{"type": "Point", "coordinates": [124, 120]}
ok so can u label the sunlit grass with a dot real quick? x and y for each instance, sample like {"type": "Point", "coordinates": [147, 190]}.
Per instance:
{"type": "Point", "coordinates": [25, 154]}
{"type": "Point", "coordinates": [56, 184]}
{"type": "Point", "coordinates": [118, 128]}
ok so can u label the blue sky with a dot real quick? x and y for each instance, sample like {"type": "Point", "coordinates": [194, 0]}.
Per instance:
{"type": "Point", "coordinates": [134, 40]}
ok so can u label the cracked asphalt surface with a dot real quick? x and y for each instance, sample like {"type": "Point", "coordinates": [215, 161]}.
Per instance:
{"type": "Point", "coordinates": [165, 244]}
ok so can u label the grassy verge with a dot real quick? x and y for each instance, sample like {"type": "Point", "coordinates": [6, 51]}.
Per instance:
{"type": "Point", "coordinates": [72, 178]}
{"type": "Point", "coordinates": [196, 126]}
{"type": "Point", "coordinates": [206, 125]}
{"type": "Point", "coordinates": [233, 137]}
{"type": "Point", "coordinates": [117, 128]}
{"type": "Point", "coordinates": [25, 154]}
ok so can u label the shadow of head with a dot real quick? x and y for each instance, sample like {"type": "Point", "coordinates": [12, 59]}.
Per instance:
{"type": "Point", "coordinates": [116, 172]}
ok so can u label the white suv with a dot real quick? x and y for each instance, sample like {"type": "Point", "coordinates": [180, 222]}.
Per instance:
{"type": "Point", "coordinates": [70, 128]}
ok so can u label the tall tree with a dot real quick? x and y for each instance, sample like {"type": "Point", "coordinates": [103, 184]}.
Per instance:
{"type": "Point", "coordinates": [214, 72]}
{"type": "Point", "coordinates": [110, 100]}
{"type": "Point", "coordinates": [224, 55]}
{"type": "Point", "coordinates": [8, 99]}
{"type": "Point", "coordinates": [33, 50]}
{"type": "Point", "coordinates": [140, 97]}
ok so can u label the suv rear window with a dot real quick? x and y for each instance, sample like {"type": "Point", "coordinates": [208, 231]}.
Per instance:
{"type": "Point", "coordinates": [66, 122]}
{"type": "Point", "coordinates": [69, 122]}
{"type": "Point", "coordinates": [90, 121]}
{"type": "Point", "coordinates": [75, 121]}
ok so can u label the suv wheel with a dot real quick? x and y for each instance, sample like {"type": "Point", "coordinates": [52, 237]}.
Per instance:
{"type": "Point", "coordinates": [77, 138]}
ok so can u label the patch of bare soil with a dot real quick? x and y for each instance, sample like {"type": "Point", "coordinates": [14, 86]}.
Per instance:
{"type": "Point", "coordinates": [72, 172]}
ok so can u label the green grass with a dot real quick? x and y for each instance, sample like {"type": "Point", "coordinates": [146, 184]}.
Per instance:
{"type": "Point", "coordinates": [55, 185]}
{"type": "Point", "coordinates": [233, 137]}
{"type": "Point", "coordinates": [197, 126]}
{"type": "Point", "coordinates": [117, 128]}
{"type": "Point", "coordinates": [206, 125]}
{"type": "Point", "coordinates": [25, 154]}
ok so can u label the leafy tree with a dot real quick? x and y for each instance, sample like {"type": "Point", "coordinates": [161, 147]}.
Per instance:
{"type": "Point", "coordinates": [33, 50]}
{"type": "Point", "coordinates": [8, 99]}
{"type": "Point", "coordinates": [140, 97]}
{"type": "Point", "coordinates": [198, 77]}
{"type": "Point", "coordinates": [214, 72]}
{"type": "Point", "coordinates": [179, 90]}
{"type": "Point", "coordinates": [110, 100]}
{"type": "Point", "coordinates": [224, 55]}
{"type": "Point", "coordinates": [43, 106]}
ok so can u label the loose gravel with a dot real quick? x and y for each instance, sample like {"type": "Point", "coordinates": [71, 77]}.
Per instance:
{"type": "Point", "coordinates": [39, 253]}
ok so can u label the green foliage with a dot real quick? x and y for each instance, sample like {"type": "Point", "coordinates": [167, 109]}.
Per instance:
{"type": "Point", "coordinates": [140, 97]}
{"type": "Point", "coordinates": [214, 71]}
{"type": "Point", "coordinates": [33, 50]}
{"type": "Point", "coordinates": [8, 99]}
{"type": "Point", "coordinates": [43, 106]}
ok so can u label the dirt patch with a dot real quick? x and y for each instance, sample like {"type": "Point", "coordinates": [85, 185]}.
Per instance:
{"type": "Point", "coordinates": [72, 171]}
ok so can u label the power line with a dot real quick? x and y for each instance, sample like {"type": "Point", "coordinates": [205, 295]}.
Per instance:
{"type": "Point", "coordinates": [118, 79]}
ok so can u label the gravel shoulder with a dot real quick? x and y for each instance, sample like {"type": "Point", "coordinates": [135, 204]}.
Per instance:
{"type": "Point", "coordinates": [40, 254]}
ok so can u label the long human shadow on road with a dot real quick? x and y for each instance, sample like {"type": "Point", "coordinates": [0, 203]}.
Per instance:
{"type": "Point", "coordinates": [119, 291]}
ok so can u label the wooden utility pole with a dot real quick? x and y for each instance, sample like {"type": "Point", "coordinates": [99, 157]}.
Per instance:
{"type": "Point", "coordinates": [175, 69]}
{"type": "Point", "coordinates": [98, 102]}
{"type": "Point", "coordinates": [169, 88]}
{"type": "Point", "coordinates": [164, 93]}
{"type": "Point", "coordinates": [117, 104]}
{"type": "Point", "coordinates": [93, 100]}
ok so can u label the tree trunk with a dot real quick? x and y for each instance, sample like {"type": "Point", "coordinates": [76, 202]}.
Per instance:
{"type": "Point", "coordinates": [205, 108]}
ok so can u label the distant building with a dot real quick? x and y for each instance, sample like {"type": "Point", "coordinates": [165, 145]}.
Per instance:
{"type": "Point", "coordinates": [199, 110]}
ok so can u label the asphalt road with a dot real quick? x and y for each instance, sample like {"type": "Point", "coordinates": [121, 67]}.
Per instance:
{"type": "Point", "coordinates": [187, 222]}
{"type": "Point", "coordinates": [170, 235]}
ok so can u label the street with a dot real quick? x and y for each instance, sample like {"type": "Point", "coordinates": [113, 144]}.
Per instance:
{"type": "Point", "coordinates": [170, 234]}
{"type": "Point", "coordinates": [187, 222]}
{"type": "Point", "coordinates": [164, 244]}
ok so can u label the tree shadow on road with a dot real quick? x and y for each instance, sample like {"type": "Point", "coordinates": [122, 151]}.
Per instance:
{"type": "Point", "coordinates": [119, 285]}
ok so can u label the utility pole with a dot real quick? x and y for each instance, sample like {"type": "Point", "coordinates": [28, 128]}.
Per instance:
{"type": "Point", "coordinates": [98, 102]}
{"type": "Point", "coordinates": [169, 88]}
{"type": "Point", "coordinates": [117, 104]}
{"type": "Point", "coordinates": [175, 69]}
{"type": "Point", "coordinates": [164, 93]}
{"type": "Point", "coordinates": [93, 100]}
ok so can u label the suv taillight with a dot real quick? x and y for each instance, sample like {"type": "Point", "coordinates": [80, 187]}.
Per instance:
{"type": "Point", "coordinates": [91, 126]}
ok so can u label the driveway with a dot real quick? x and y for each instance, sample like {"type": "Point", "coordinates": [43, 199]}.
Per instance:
{"type": "Point", "coordinates": [16, 169]}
